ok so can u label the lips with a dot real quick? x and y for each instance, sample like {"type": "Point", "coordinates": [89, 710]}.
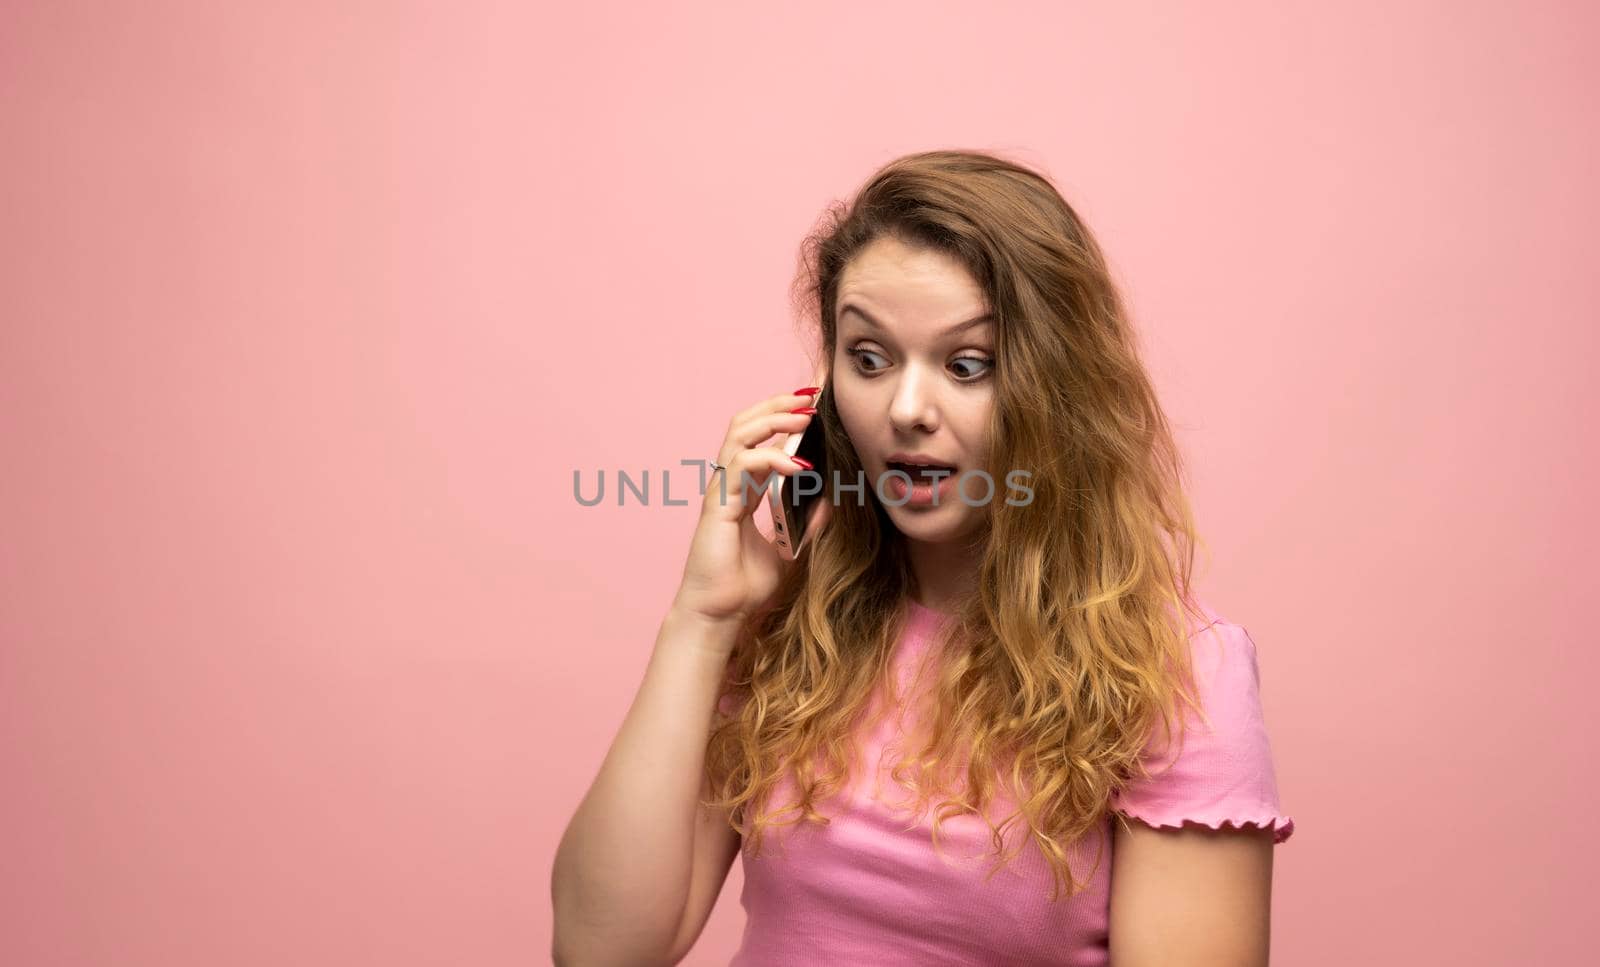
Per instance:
{"type": "Point", "coordinates": [923, 471]}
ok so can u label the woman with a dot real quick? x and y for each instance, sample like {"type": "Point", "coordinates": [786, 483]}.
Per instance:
{"type": "Point", "coordinates": [981, 731]}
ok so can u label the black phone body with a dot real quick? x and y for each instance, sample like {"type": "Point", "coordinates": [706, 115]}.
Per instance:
{"type": "Point", "coordinates": [791, 498]}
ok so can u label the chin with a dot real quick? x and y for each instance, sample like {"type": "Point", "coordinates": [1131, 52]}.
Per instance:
{"type": "Point", "coordinates": [935, 524]}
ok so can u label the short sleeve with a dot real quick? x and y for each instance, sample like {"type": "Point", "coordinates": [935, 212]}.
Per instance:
{"type": "Point", "coordinates": [1222, 773]}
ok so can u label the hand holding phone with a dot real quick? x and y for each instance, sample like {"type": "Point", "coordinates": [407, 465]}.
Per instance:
{"type": "Point", "coordinates": [732, 567]}
{"type": "Point", "coordinates": [800, 504]}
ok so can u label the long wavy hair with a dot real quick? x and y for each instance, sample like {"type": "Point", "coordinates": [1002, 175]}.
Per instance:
{"type": "Point", "coordinates": [1058, 667]}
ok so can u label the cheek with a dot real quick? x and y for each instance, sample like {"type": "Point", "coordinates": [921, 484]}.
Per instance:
{"type": "Point", "coordinates": [853, 402]}
{"type": "Point", "coordinates": [975, 417]}
{"type": "Point", "coordinates": [847, 417]}
{"type": "Point", "coordinates": [975, 430]}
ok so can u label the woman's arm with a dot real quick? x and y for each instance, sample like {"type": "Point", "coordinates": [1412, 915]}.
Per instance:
{"type": "Point", "coordinates": [624, 869]}
{"type": "Point", "coordinates": [1189, 896]}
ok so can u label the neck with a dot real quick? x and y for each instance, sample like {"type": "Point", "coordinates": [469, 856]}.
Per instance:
{"type": "Point", "coordinates": [945, 572]}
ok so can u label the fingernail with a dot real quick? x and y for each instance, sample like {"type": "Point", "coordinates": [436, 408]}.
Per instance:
{"type": "Point", "coordinates": [804, 409]}
{"type": "Point", "coordinates": [802, 461]}
{"type": "Point", "coordinates": [807, 390]}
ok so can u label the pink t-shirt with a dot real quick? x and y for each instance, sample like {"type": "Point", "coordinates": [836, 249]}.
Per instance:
{"type": "Point", "coordinates": [866, 889]}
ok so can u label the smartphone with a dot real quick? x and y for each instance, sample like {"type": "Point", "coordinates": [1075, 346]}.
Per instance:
{"type": "Point", "coordinates": [791, 498]}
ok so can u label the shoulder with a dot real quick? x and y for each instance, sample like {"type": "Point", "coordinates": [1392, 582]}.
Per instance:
{"type": "Point", "coordinates": [1226, 666]}
{"type": "Point", "coordinates": [1219, 767]}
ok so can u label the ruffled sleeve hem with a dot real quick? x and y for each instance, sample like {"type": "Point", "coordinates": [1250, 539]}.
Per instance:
{"type": "Point", "coordinates": [1282, 826]}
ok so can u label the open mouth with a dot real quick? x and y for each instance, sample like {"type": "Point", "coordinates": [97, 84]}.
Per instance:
{"type": "Point", "coordinates": [924, 472]}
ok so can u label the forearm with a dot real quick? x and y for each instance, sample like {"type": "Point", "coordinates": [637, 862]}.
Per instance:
{"type": "Point", "coordinates": [622, 871]}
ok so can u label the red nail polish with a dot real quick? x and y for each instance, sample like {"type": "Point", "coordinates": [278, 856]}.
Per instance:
{"type": "Point", "coordinates": [807, 390]}
{"type": "Point", "coordinates": [802, 461]}
{"type": "Point", "coordinates": [804, 409]}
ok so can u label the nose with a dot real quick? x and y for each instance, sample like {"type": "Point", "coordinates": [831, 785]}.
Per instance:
{"type": "Point", "coordinates": [913, 405]}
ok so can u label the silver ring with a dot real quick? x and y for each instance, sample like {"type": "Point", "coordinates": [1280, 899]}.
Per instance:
{"type": "Point", "coordinates": [715, 466]}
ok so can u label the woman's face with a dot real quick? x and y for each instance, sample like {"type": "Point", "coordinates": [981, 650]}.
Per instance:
{"type": "Point", "coordinates": [913, 376]}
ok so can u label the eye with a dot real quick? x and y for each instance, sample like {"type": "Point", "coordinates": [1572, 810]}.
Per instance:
{"type": "Point", "coordinates": [858, 354]}
{"type": "Point", "coordinates": [987, 363]}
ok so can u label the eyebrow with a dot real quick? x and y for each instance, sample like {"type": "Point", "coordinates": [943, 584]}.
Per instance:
{"type": "Point", "coordinates": [958, 327]}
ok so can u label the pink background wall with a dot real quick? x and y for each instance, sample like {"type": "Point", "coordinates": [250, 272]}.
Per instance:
{"type": "Point", "coordinates": [309, 312]}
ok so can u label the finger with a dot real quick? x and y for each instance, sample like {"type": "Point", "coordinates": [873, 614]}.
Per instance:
{"type": "Point", "coordinates": [736, 492]}
{"type": "Point", "coordinates": [759, 429]}
{"type": "Point", "coordinates": [780, 403]}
